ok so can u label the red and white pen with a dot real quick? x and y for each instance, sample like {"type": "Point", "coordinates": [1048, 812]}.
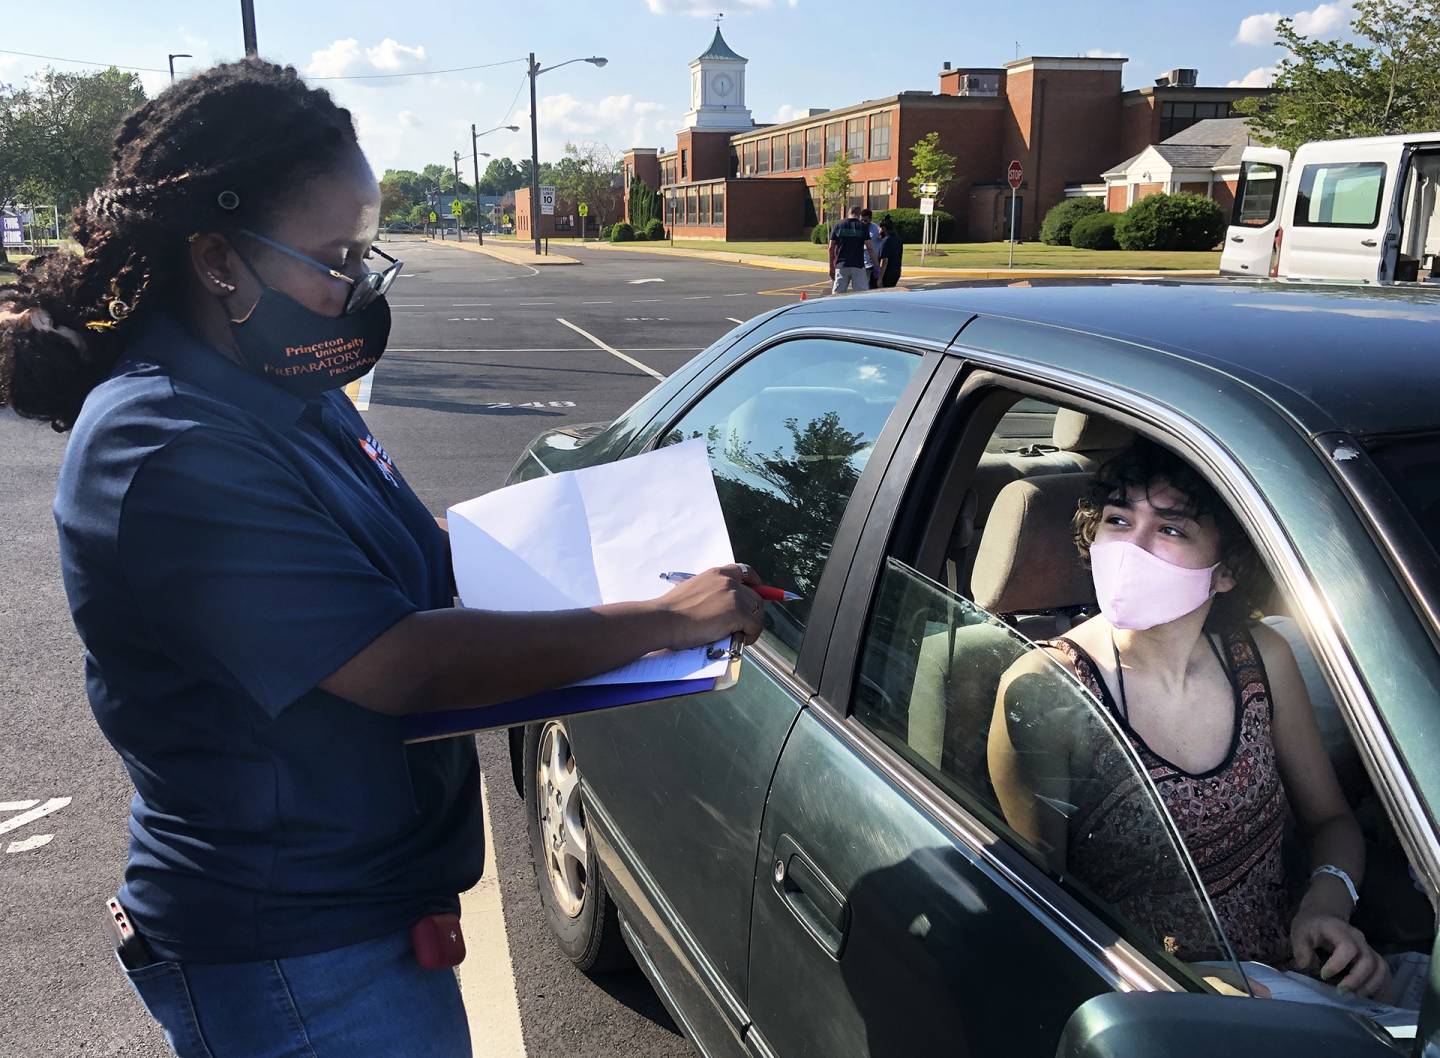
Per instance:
{"type": "Point", "coordinates": [765, 592]}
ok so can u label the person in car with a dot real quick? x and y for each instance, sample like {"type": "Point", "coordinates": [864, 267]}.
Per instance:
{"type": "Point", "coordinates": [1217, 712]}
{"type": "Point", "coordinates": [260, 593]}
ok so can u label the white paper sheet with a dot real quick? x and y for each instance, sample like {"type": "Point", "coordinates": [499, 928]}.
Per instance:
{"type": "Point", "coordinates": [597, 535]}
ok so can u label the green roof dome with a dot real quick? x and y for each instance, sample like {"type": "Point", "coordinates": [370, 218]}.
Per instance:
{"type": "Point", "coordinates": [719, 50]}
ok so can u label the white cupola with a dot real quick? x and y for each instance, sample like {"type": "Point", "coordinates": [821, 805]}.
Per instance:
{"type": "Point", "coordinates": [717, 89]}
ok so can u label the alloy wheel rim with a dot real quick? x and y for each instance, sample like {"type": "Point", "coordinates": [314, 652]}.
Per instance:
{"type": "Point", "coordinates": [561, 810]}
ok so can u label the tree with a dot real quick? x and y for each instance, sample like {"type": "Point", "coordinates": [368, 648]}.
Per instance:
{"type": "Point", "coordinates": [644, 204]}
{"type": "Point", "coordinates": [1383, 82]}
{"type": "Point", "coordinates": [587, 174]}
{"type": "Point", "coordinates": [400, 189]}
{"type": "Point", "coordinates": [931, 165]}
{"type": "Point", "coordinates": [834, 188]}
{"type": "Point", "coordinates": [500, 177]}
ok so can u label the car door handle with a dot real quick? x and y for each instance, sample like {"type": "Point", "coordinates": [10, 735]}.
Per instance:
{"type": "Point", "coordinates": [1237, 238]}
{"type": "Point", "coordinates": [1368, 242]}
{"type": "Point", "coordinates": [817, 904]}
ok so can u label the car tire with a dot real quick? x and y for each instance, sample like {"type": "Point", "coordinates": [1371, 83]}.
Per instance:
{"type": "Point", "coordinates": [577, 906]}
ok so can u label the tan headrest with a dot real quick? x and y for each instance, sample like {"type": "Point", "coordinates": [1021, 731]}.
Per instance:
{"type": "Point", "coordinates": [1027, 559]}
{"type": "Point", "coordinates": [1075, 431]}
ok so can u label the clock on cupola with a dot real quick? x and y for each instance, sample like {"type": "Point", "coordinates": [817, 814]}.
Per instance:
{"type": "Point", "coordinates": [717, 89]}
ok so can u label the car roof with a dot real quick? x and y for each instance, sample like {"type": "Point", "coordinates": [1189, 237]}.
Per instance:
{"type": "Point", "coordinates": [1362, 360]}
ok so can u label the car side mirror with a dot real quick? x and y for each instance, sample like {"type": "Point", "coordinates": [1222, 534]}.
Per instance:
{"type": "Point", "coordinates": [1186, 1025]}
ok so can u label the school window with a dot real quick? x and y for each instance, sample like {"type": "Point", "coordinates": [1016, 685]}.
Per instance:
{"type": "Point", "coordinates": [855, 198]}
{"type": "Point", "coordinates": [880, 138]}
{"type": "Point", "coordinates": [704, 205]}
{"type": "Point", "coordinates": [717, 205]}
{"type": "Point", "coordinates": [832, 142]}
{"type": "Point", "coordinates": [747, 159]}
{"type": "Point", "coordinates": [692, 205]}
{"type": "Point", "coordinates": [762, 156]}
{"type": "Point", "coordinates": [777, 153]}
{"type": "Point", "coordinates": [1179, 116]}
{"type": "Point", "coordinates": [797, 150]}
{"type": "Point", "coordinates": [684, 169]}
{"type": "Point", "coordinates": [855, 139]}
{"type": "Point", "coordinates": [812, 148]}
{"type": "Point", "coordinates": [879, 194]}
{"type": "Point", "coordinates": [817, 205]}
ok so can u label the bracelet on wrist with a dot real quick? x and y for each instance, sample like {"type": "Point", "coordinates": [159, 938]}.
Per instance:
{"type": "Point", "coordinates": [1337, 872]}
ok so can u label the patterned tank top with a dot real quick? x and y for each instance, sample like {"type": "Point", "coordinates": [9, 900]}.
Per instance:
{"type": "Point", "coordinates": [1231, 818]}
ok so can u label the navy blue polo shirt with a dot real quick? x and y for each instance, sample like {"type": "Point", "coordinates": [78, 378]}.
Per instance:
{"type": "Point", "coordinates": [225, 546]}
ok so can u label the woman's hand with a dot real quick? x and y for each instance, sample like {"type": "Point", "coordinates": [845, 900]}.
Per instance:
{"type": "Point", "coordinates": [712, 605]}
{"type": "Point", "coordinates": [1369, 975]}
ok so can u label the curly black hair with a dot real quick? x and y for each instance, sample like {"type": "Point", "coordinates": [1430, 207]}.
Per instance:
{"type": "Point", "coordinates": [213, 152]}
{"type": "Point", "coordinates": [1146, 465]}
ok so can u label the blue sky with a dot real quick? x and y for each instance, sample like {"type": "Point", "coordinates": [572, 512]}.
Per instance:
{"type": "Point", "coordinates": [794, 47]}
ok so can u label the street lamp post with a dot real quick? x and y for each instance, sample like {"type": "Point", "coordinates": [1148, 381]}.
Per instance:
{"type": "Point", "coordinates": [535, 71]}
{"type": "Point", "coordinates": [475, 153]}
{"type": "Point", "coordinates": [459, 217]}
{"type": "Point", "coordinates": [247, 26]}
{"type": "Point", "coordinates": [172, 58]}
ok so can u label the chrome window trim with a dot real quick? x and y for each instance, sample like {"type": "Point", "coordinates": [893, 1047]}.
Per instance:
{"type": "Point", "coordinates": [1112, 957]}
{"type": "Point", "coordinates": [1311, 612]}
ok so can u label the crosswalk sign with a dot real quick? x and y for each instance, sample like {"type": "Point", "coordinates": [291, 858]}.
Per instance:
{"type": "Point", "coordinates": [455, 208]}
{"type": "Point", "coordinates": [433, 217]}
{"type": "Point", "coordinates": [584, 210]}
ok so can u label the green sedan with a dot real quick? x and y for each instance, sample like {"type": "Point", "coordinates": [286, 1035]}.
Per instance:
{"type": "Point", "coordinates": [823, 860]}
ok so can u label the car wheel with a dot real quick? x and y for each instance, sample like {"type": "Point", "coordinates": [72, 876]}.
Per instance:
{"type": "Point", "coordinates": [567, 871]}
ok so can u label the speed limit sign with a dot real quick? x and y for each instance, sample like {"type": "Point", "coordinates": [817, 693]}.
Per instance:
{"type": "Point", "coordinates": [547, 200]}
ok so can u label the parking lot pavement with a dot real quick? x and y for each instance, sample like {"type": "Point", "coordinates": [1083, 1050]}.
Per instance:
{"type": "Point", "coordinates": [479, 362]}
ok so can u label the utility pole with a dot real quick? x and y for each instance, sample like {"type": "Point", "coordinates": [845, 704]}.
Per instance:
{"type": "Point", "coordinates": [459, 226]}
{"type": "Point", "coordinates": [534, 161]}
{"type": "Point", "coordinates": [475, 158]}
{"type": "Point", "coordinates": [247, 21]}
{"type": "Point", "coordinates": [172, 58]}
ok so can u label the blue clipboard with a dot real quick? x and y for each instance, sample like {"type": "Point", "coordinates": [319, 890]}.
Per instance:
{"type": "Point", "coordinates": [561, 702]}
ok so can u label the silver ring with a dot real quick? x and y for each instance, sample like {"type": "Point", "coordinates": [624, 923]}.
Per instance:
{"type": "Point", "coordinates": [744, 569]}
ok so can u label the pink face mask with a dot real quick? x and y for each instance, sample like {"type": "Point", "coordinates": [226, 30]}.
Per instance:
{"type": "Point", "coordinates": [1136, 590]}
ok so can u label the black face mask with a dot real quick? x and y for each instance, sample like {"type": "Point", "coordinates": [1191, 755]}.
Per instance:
{"type": "Point", "coordinates": [304, 352]}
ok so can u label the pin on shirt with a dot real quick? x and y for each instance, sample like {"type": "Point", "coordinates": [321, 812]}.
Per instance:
{"type": "Point", "coordinates": [378, 456]}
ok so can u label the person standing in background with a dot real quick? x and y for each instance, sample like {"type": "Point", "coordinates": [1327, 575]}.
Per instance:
{"type": "Point", "coordinates": [850, 246]}
{"type": "Point", "coordinates": [889, 250]}
{"type": "Point", "coordinates": [872, 263]}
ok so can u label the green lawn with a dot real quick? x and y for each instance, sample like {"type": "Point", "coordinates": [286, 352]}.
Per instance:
{"type": "Point", "coordinates": [981, 255]}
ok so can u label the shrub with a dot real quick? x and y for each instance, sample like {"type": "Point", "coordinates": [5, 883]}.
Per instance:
{"type": "Point", "coordinates": [1095, 232]}
{"type": "Point", "coordinates": [654, 229]}
{"type": "Point", "coordinates": [605, 230]}
{"type": "Point", "coordinates": [640, 235]}
{"type": "Point", "coordinates": [1171, 222]}
{"type": "Point", "coordinates": [1055, 229]}
{"type": "Point", "coordinates": [820, 234]}
{"type": "Point", "coordinates": [624, 231]}
{"type": "Point", "coordinates": [909, 223]}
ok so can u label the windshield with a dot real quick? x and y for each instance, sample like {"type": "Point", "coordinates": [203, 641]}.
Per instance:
{"type": "Point", "coordinates": [1411, 464]}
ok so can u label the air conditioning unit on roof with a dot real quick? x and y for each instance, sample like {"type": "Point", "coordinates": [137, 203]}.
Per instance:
{"type": "Point", "coordinates": [1178, 78]}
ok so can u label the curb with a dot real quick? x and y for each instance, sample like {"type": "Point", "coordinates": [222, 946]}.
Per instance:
{"type": "Point", "coordinates": [509, 256]}
{"type": "Point", "coordinates": [792, 265]}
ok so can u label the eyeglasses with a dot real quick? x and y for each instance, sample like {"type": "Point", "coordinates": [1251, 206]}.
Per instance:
{"type": "Point", "coordinates": [363, 291]}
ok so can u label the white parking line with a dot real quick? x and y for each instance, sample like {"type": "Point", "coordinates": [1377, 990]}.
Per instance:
{"type": "Point", "coordinates": [487, 977]}
{"type": "Point", "coordinates": [611, 350]}
{"type": "Point", "coordinates": [367, 383]}
{"type": "Point", "coordinates": [597, 302]}
{"type": "Point", "coordinates": [696, 297]}
{"type": "Point", "coordinates": [732, 319]}
{"type": "Point", "coordinates": [742, 295]}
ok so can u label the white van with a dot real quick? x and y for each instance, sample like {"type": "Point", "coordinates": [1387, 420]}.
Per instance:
{"type": "Point", "coordinates": [1362, 210]}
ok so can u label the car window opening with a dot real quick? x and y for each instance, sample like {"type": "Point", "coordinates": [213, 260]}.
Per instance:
{"type": "Point", "coordinates": [970, 672]}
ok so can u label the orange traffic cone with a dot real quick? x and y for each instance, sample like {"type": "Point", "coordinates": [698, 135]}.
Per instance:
{"type": "Point", "coordinates": [804, 296]}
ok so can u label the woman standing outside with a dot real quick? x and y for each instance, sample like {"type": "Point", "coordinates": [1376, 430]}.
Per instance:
{"type": "Point", "coordinates": [260, 594]}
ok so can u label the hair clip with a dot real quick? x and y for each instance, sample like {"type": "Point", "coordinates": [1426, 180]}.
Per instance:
{"type": "Point", "coordinates": [229, 201]}
{"type": "Point", "coordinates": [192, 236]}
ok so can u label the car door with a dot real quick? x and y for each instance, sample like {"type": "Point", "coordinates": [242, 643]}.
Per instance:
{"type": "Point", "coordinates": [1255, 218]}
{"type": "Point", "coordinates": [898, 907]}
{"type": "Point", "coordinates": [1341, 219]}
{"type": "Point", "coordinates": [678, 787]}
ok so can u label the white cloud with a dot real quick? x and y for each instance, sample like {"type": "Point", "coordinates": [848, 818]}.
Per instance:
{"type": "Point", "coordinates": [1260, 77]}
{"type": "Point", "coordinates": [1324, 20]}
{"type": "Point", "coordinates": [707, 8]}
{"type": "Point", "coordinates": [345, 58]}
{"type": "Point", "coordinates": [1101, 53]}
{"type": "Point", "coordinates": [786, 112]}
{"type": "Point", "coordinates": [408, 119]}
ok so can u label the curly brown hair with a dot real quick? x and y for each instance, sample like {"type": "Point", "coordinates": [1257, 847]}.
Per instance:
{"type": "Point", "coordinates": [1145, 466]}
{"type": "Point", "coordinates": [214, 152]}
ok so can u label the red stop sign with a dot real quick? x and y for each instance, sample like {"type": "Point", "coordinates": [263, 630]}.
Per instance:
{"type": "Point", "coordinates": [1015, 174]}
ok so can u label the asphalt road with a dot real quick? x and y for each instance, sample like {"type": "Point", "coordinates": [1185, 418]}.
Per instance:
{"type": "Point", "coordinates": [479, 362]}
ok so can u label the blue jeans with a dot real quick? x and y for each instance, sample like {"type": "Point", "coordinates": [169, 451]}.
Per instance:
{"type": "Point", "coordinates": [367, 999]}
